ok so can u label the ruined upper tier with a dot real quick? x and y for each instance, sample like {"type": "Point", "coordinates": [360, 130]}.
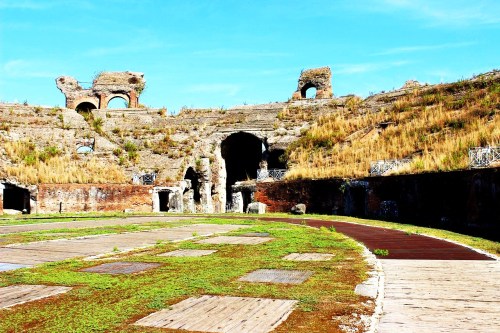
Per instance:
{"type": "Point", "coordinates": [106, 86]}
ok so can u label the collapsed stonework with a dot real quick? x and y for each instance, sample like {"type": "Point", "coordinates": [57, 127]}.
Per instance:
{"type": "Point", "coordinates": [106, 86]}
{"type": "Point", "coordinates": [319, 78]}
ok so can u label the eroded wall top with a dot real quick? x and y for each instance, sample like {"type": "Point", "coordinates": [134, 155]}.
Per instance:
{"type": "Point", "coordinates": [319, 78]}
{"type": "Point", "coordinates": [106, 86]}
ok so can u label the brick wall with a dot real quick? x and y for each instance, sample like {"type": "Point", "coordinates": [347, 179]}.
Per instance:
{"type": "Point", "coordinates": [93, 197]}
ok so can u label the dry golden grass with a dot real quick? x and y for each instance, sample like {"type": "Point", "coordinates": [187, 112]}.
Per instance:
{"type": "Point", "coordinates": [31, 168]}
{"type": "Point", "coordinates": [435, 128]}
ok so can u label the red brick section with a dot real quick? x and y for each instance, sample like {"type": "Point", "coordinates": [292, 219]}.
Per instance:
{"type": "Point", "coordinates": [400, 244]}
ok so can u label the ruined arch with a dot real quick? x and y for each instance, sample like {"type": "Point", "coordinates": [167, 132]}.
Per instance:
{"type": "Point", "coordinates": [194, 177]}
{"type": "Point", "coordinates": [242, 153]}
{"type": "Point", "coordinates": [106, 86]}
{"type": "Point", "coordinates": [115, 97]}
{"type": "Point", "coordinates": [319, 78]}
{"type": "Point", "coordinates": [85, 107]}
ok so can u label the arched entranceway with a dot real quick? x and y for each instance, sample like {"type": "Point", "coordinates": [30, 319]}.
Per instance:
{"type": "Point", "coordinates": [118, 102]}
{"type": "Point", "coordinates": [194, 177]}
{"type": "Point", "coordinates": [15, 198]}
{"type": "Point", "coordinates": [308, 90]}
{"type": "Point", "coordinates": [85, 107]}
{"type": "Point", "coordinates": [242, 153]}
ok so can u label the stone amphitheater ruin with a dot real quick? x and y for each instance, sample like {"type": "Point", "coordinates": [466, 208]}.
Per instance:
{"type": "Point", "coordinates": [200, 160]}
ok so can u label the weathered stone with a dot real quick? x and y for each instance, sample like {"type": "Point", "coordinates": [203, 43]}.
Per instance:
{"type": "Point", "coordinates": [256, 208]}
{"type": "Point", "coordinates": [237, 202]}
{"type": "Point", "coordinates": [298, 209]}
{"type": "Point", "coordinates": [106, 86]}
{"type": "Point", "coordinates": [319, 78]}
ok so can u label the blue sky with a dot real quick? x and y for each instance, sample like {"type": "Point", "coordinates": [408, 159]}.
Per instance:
{"type": "Point", "coordinates": [211, 53]}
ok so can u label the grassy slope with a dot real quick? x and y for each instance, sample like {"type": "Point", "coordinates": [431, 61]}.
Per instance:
{"type": "Point", "coordinates": [434, 126]}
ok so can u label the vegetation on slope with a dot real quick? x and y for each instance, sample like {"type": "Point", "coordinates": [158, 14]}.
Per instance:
{"type": "Point", "coordinates": [434, 126]}
{"type": "Point", "coordinates": [32, 166]}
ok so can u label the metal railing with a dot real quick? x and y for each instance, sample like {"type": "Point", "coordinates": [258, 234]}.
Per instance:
{"type": "Point", "coordinates": [276, 174]}
{"type": "Point", "coordinates": [144, 178]}
{"type": "Point", "coordinates": [378, 168]}
{"type": "Point", "coordinates": [481, 157]}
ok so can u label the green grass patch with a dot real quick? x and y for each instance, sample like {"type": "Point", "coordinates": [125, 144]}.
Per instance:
{"type": "Point", "coordinates": [111, 303]}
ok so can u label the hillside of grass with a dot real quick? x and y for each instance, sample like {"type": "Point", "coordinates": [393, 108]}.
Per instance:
{"type": "Point", "coordinates": [433, 126]}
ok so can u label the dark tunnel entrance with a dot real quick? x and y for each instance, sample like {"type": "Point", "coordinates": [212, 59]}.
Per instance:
{"type": "Point", "coordinates": [276, 159]}
{"type": "Point", "coordinates": [193, 176]}
{"type": "Point", "coordinates": [242, 153]}
{"type": "Point", "coordinates": [164, 199]}
{"type": "Point", "coordinates": [16, 198]}
{"type": "Point", "coordinates": [85, 107]}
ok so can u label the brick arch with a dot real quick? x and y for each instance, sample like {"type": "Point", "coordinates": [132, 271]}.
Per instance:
{"type": "Point", "coordinates": [319, 78]}
{"type": "Point", "coordinates": [105, 101]}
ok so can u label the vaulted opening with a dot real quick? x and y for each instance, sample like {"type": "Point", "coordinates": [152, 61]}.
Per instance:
{"type": "Point", "coordinates": [276, 159]}
{"type": "Point", "coordinates": [85, 107]}
{"type": "Point", "coordinates": [308, 90]}
{"type": "Point", "coordinates": [242, 153]}
{"type": "Point", "coordinates": [16, 198]}
{"type": "Point", "coordinates": [194, 177]}
{"type": "Point", "coordinates": [118, 102]}
{"type": "Point", "coordinates": [164, 200]}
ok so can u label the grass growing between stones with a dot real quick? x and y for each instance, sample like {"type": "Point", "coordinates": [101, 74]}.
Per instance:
{"type": "Point", "coordinates": [111, 303]}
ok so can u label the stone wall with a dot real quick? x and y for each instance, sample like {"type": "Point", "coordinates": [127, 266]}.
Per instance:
{"type": "Point", "coordinates": [464, 201]}
{"type": "Point", "coordinates": [53, 198]}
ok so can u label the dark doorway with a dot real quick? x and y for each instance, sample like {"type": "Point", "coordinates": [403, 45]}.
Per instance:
{"type": "Point", "coordinates": [276, 159]}
{"type": "Point", "coordinates": [355, 204]}
{"type": "Point", "coordinates": [193, 176]}
{"type": "Point", "coordinates": [16, 198]}
{"type": "Point", "coordinates": [242, 153]}
{"type": "Point", "coordinates": [163, 197]}
{"type": "Point", "coordinates": [305, 88]}
{"type": "Point", "coordinates": [85, 107]}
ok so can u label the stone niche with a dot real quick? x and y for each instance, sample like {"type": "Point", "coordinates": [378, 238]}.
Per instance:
{"type": "Point", "coordinates": [105, 87]}
{"type": "Point", "coordinates": [319, 78]}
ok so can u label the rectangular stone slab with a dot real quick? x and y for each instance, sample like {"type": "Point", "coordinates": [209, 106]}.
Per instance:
{"type": "Point", "coordinates": [9, 267]}
{"type": "Point", "coordinates": [235, 240]}
{"type": "Point", "coordinates": [222, 314]}
{"type": "Point", "coordinates": [121, 267]}
{"type": "Point", "coordinates": [187, 253]}
{"type": "Point", "coordinates": [277, 276]}
{"type": "Point", "coordinates": [19, 294]}
{"type": "Point", "coordinates": [308, 256]}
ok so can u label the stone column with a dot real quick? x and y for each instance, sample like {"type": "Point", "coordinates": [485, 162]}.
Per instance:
{"type": "Point", "coordinates": [206, 186]}
{"type": "Point", "coordinates": [237, 203]}
{"type": "Point", "coordinates": [133, 99]}
{"type": "Point", "coordinates": [102, 101]}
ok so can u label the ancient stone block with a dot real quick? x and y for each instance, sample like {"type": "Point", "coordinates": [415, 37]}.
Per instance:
{"type": "Point", "coordinates": [256, 208]}
{"type": "Point", "coordinates": [319, 78]}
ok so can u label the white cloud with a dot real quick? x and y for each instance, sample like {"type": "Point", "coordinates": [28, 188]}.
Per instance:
{"type": "Point", "coordinates": [457, 13]}
{"type": "Point", "coordinates": [215, 88]}
{"type": "Point", "coordinates": [227, 53]}
{"type": "Point", "coordinates": [366, 67]}
{"type": "Point", "coordinates": [21, 68]}
{"type": "Point", "coordinates": [419, 48]}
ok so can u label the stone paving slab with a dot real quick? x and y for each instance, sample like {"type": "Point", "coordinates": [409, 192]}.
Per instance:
{"type": "Point", "coordinates": [9, 267]}
{"type": "Point", "coordinates": [121, 267]}
{"type": "Point", "coordinates": [441, 296]}
{"type": "Point", "coordinates": [277, 276]}
{"type": "Point", "coordinates": [9, 229]}
{"type": "Point", "coordinates": [256, 234]}
{"type": "Point", "coordinates": [222, 314]}
{"type": "Point", "coordinates": [19, 294]}
{"type": "Point", "coordinates": [308, 256]}
{"type": "Point", "coordinates": [61, 249]}
{"type": "Point", "coordinates": [234, 240]}
{"type": "Point", "coordinates": [187, 253]}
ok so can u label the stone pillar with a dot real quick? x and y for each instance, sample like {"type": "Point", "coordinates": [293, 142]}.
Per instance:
{"type": "Point", "coordinates": [133, 99]}
{"type": "Point", "coordinates": [237, 203]}
{"type": "Point", "coordinates": [206, 186]}
{"type": "Point", "coordinates": [188, 199]}
{"type": "Point", "coordinates": [2, 186]}
{"type": "Point", "coordinates": [102, 101]}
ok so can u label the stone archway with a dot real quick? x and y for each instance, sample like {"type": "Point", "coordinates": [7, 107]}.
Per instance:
{"type": "Point", "coordinates": [242, 153]}
{"type": "Point", "coordinates": [116, 98]}
{"type": "Point", "coordinates": [85, 107]}
{"type": "Point", "coordinates": [319, 78]}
